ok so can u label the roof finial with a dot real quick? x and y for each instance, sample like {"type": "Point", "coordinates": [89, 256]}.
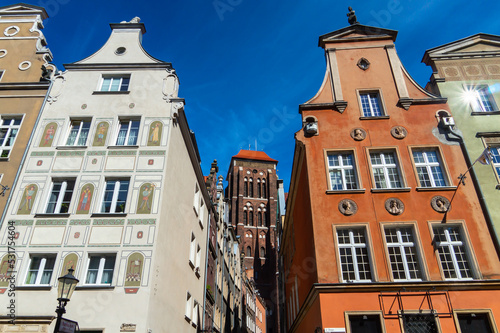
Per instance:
{"type": "Point", "coordinates": [351, 16]}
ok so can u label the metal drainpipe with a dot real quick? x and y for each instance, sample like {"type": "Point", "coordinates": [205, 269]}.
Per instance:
{"type": "Point", "coordinates": [472, 172]}
{"type": "Point", "coordinates": [23, 159]}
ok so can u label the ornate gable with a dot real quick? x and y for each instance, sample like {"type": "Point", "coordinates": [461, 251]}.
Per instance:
{"type": "Point", "coordinates": [23, 9]}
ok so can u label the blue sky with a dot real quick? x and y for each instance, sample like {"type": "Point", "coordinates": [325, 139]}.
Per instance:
{"type": "Point", "coordinates": [245, 66]}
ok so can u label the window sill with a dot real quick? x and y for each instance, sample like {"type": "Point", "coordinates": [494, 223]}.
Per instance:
{"type": "Point", "coordinates": [201, 224]}
{"type": "Point", "coordinates": [484, 113]}
{"type": "Point", "coordinates": [108, 215]}
{"type": "Point", "coordinates": [98, 92]}
{"type": "Point", "coordinates": [388, 190]}
{"type": "Point", "coordinates": [373, 118]}
{"type": "Point", "coordinates": [124, 147]}
{"type": "Point", "coordinates": [187, 318]}
{"type": "Point", "coordinates": [95, 287]}
{"type": "Point", "coordinates": [361, 190]}
{"type": "Point", "coordinates": [441, 188]}
{"type": "Point", "coordinates": [34, 287]}
{"type": "Point", "coordinates": [4, 158]}
{"type": "Point", "coordinates": [52, 215]}
{"type": "Point", "coordinates": [191, 264]}
{"type": "Point", "coordinates": [71, 147]}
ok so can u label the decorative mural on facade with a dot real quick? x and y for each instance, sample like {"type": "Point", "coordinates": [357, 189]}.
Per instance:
{"type": "Point", "coordinates": [155, 130]}
{"type": "Point", "coordinates": [48, 135]}
{"type": "Point", "coordinates": [145, 201]}
{"type": "Point", "coordinates": [134, 270]}
{"type": "Point", "coordinates": [85, 199]}
{"type": "Point", "coordinates": [6, 269]}
{"type": "Point", "coordinates": [101, 134]}
{"type": "Point", "coordinates": [27, 199]}
{"type": "Point", "coordinates": [69, 262]}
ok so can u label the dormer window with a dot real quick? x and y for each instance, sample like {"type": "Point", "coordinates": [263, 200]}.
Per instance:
{"type": "Point", "coordinates": [115, 83]}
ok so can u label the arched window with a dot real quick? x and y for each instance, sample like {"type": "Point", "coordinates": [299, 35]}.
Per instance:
{"type": "Point", "coordinates": [245, 187]}
{"type": "Point", "coordinates": [249, 251]}
{"type": "Point", "coordinates": [263, 189]}
{"type": "Point", "coordinates": [245, 217]}
{"type": "Point", "coordinates": [259, 192]}
{"type": "Point", "coordinates": [251, 188]}
{"type": "Point", "coordinates": [262, 252]}
{"type": "Point", "coordinates": [259, 219]}
{"type": "Point", "coordinates": [250, 220]}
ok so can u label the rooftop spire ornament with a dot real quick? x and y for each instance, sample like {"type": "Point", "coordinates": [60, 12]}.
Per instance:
{"type": "Point", "coordinates": [351, 16]}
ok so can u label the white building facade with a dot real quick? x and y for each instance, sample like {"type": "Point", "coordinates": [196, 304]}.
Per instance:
{"type": "Point", "coordinates": [111, 187]}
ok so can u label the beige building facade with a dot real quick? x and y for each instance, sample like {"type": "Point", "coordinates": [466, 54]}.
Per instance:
{"type": "Point", "coordinates": [111, 187]}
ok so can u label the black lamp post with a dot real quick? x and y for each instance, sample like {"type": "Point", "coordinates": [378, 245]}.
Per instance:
{"type": "Point", "coordinates": [67, 285]}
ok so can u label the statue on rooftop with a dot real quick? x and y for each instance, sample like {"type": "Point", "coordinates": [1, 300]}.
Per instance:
{"type": "Point", "coordinates": [351, 16]}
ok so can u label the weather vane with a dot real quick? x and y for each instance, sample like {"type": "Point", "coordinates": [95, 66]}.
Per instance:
{"type": "Point", "coordinates": [351, 16]}
{"type": "Point", "coordinates": [4, 188]}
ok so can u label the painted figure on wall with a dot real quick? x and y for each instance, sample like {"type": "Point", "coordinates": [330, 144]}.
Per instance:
{"type": "Point", "coordinates": [155, 130]}
{"type": "Point", "coordinates": [48, 135]}
{"type": "Point", "coordinates": [145, 201]}
{"type": "Point", "coordinates": [134, 270]}
{"type": "Point", "coordinates": [27, 200]}
{"type": "Point", "coordinates": [7, 266]}
{"type": "Point", "coordinates": [69, 262]}
{"type": "Point", "coordinates": [85, 199]}
{"type": "Point", "coordinates": [101, 134]}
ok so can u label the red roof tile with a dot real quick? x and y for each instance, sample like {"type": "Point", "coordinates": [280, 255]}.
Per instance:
{"type": "Point", "coordinates": [254, 155]}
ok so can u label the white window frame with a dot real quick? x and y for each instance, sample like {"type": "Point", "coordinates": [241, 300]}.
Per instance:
{"type": "Point", "coordinates": [189, 307]}
{"type": "Point", "coordinates": [10, 128]}
{"type": "Point", "coordinates": [100, 269]}
{"type": "Point", "coordinates": [113, 78]}
{"type": "Point", "coordinates": [450, 245]}
{"type": "Point", "coordinates": [60, 195]}
{"type": "Point", "coordinates": [127, 135]}
{"type": "Point", "coordinates": [40, 269]}
{"type": "Point", "coordinates": [495, 156]}
{"type": "Point", "coordinates": [429, 165]}
{"type": "Point", "coordinates": [371, 110]}
{"type": "Point", "coordinates": [353, 246]}
{"type": "Point", "coordinates": [477, 95]}
{"type": "Point", "coordinates": [342, 168]}
{"type": "Point", "coordinates": [79, 132]}
{"type": "Point", "coordinates": [192, 251]}
{"type": "Point", "coordinates": [385, 167]}
{"type": "Point", "coordinates": [114, 199]}
{"type": "Point", "coordinates": [402, 245]}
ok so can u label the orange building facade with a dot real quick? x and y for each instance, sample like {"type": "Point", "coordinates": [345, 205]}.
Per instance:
{"type": "Point", "coordinates": [370, 241]}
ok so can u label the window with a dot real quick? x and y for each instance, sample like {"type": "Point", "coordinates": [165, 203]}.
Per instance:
{"type": "Point", "coordinates": [250, 220]}
{"type": "Point", "coordinates": [353, 252]}
{"type": "Point", "coordinates": [249, 251]}
{"type": "Point", "coordinates": [115, 196]}
{"type": "Point", "coordinates": [428, 166]}
{"type": "Point", "coordinates": [370, 104]}
{"type": "Point", "coordinates": [251, 188]}
{"type": "Point", "coordinates": [245, 217]}
{"type": "Point", "coordinates": [421, 322]}
{"type": "Point", "coordinates": [481, 99]}
{"type": "Point", "coordinates": [403, 255]}
{"type": "Point", "coordinates": [189, 302]}
{"type": "Point", "coordinates": [115, 83]}
{"type": "Point", "coordinates": [342, 171]}
{"type": "Point", "coordinates": [9, 127]}
{"type": "Point", "coordinates": [78, 133]}
{"type": "Point", "coordinates": [385, 169]}
{"type": "Point", "coordinates": [263, 188]}
{"type": "Point", "coordinates": [192, 250]}
{"type": "Point", "coordinates": [474, 322]}
{"type": "Point", "coordinates": [128, 133]}
{"type": "Point", "coordinates": [196, 200]}
{"type": "Point", "coordinates": [455, 262]}
{"type": "Point", "coordinates": [262, 252]}
{"type": "Point", "coordinates": [60, 197]}
{"type": "Point", "coordinates": [40, 269]}
{"type": "Point", "coordinates": [259, 219]}
{"type": "Point", "coordinates": [245, 187]}
{"type": "Point", "coordinates": [100, 269]}
{"type": "Point", "coordinates": [495, 155]}
{"type": "Point", "coordinates": [365, 323]}
{"type": "Point", "coordinates": [259, 189]}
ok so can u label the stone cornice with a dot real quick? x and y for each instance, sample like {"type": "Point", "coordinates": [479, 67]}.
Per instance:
{"type": "Point", "coordinates": [113, 66]}
{"type": "Point", "coordinates": [25, 85]}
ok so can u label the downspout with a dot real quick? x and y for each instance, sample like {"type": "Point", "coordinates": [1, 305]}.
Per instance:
{"type": "Point", "coordinates": [23, 159]}
{"type": "Point", "coordinates": [482, 203]}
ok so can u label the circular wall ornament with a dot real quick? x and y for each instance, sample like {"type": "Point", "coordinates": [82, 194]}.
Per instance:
{"type": "Point", "coordinates": [363, 63]}
{"type": "Point", "coordinates": [394, 206]}
{"type": "Point", "coordinates": [131, 105]}
{"type": "Point", "coordinates": [11, 31]}
{"type": "Point", "coordinates": [24, 65]}
{"type": "Point", "coordinates": [440, 204]}
{"type": "Point", "coordinates": [84, 106]}
{"type": "Point", "coordinates": [120, 51]}
{"type": "Point", "coordinates": [94, 161]}
{"type": "Point", "coordinates": [3, 53]}
{"type": "Point", "coordinates": [358, 134]}
{"type": "Point", "coordinates": [348, 207]}
{"type": "Point", "coordinates": [399, 132]}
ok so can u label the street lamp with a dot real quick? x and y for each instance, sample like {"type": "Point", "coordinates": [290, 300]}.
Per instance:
{"type": "Point", "coordinates": [67, 285]}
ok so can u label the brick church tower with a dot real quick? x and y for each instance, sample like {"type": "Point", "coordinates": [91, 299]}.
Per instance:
{"type": "Point", "coordinates": [252, 193]}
